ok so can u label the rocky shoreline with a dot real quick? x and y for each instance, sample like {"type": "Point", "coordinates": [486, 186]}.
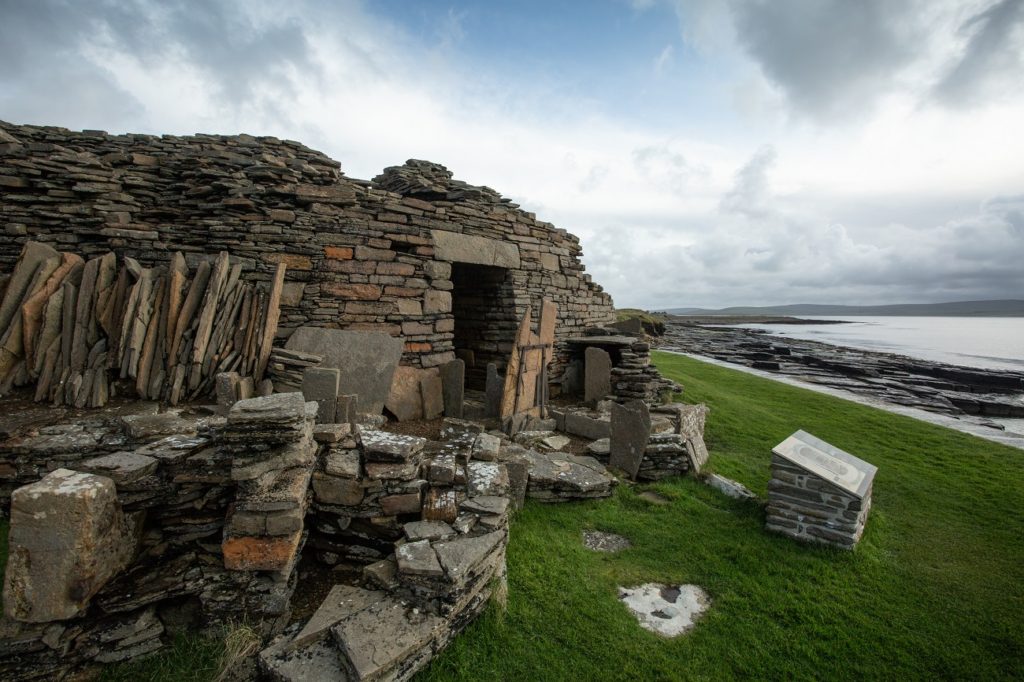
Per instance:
{"type": "Point", "coordinates": [951, 390]}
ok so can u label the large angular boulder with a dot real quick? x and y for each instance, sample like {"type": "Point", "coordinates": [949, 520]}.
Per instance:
{"type": "Point", "coordinates": [68, 537]}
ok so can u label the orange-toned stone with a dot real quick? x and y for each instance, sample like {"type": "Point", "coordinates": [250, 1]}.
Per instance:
{"type": "Point", "coordinates": [360, 292]}
{"type": "Point", "coordinates": [339, 252]}
{"type": "Point", "coordinates": [247, 553]}
{"type": "Point", "coordinates": [292, 260]}
{"type": "Point", "coordinates": [418, 347]}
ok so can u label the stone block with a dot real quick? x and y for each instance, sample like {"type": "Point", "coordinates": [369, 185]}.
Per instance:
{"type": "Point", "coordinates": [263, 553]}
{"type": "Point", "coordinates": [346, 412]}
{"type": "Point", "coordinates": [68, 537]}
{"type": "Point", "coordinates": [226, 388]}
{"type": "Point", "coordinates": [630, 431]}
{"type": "Point", "coordinates": [121, 467]}
{"type": "Point", "coordinates": [405, 400]}
{"type": "Point", "coordinates": [366, 360]}
{"type": "Point", "coordinates": [461, 248]}
{"type": "Point", "coordinates": [320, 385]}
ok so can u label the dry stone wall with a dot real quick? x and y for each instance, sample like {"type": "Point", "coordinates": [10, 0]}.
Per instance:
{"type": "Point", "coordinates": [360, 255]}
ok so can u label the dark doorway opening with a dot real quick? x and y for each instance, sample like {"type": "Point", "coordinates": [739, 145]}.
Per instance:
{"type": "Point", "coordinates": [483, 303]}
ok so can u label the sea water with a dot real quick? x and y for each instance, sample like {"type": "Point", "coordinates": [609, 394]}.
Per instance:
{"type": "Point", "coordinates": [984, 342]}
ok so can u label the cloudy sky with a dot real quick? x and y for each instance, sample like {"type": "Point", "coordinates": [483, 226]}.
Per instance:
{"type": "Point", "coordinates": [707, 153]}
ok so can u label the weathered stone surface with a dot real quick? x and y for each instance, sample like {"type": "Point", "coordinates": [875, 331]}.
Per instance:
{"type": "Point", "coordinates": [320, 385]}
{"type": "Point", "coordinates": [266, 553]}
{"type": "Point", "coordinates": [486, 504]}
{"type": "Point", "coordinates": [630, 431]}
{"type": "Point", "coordinates": [144, 428]}
{"type": "Point", "coordinates": [388, 640]}
{"type": "Point", "coordinates": [486, 478]}
{"type": "Point", "coordinates": [600, 541]}
{"type": "Point", "coordinates": [729, 487]}
{"type": "Point", "coordinates": [587, 426]}
{"type": "Point", "coordinates": [667, 611]}
{"type": "Point", "coordinates": [341, 602]}
{"type": "Point", "coordinates": [486, 447]}
{"type": "Point", "coordinates": [405, 400]}
{"type": "Point", "coordinates": [335, 490]}
{"type": "Point", "coordinates": [67, 538]}
{"type": "Point", "coordinates": [462, 555]}
{"type": "Point", "coordinates": [226, 387]}
{"type": "Point", "coordinates": [418, 558]}
{"type": "Point", "coordinates": [453, 382]}
{"type": "Point", "coordinates": [366, 360]}
{"type": "Point", "coordinates": [432, 394]}
{"type": "Point", "coordinates": [597, 375]}
{"type": "Point", "coordinates": [462, 248]}
{"type": "Point", "coordinates": [427, 530]}
{"type": "Point", "coordinates": [493, 391]}
{"type": "Point", "coordinates": [121, 467]}
{"type": "Point", "coordinates": [331, 433]}
{"type": "Point", "coordinates": [381, 446]}
{"type": "Point", "coordinates": [555, 477]}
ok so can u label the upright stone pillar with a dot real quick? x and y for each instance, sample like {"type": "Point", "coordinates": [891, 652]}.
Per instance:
{"type": "Point", "coordinates": [453, 384]}
{"type": "Point", "coordinates": [630, 431]}
{"type": "Point", "coordinates": [597, 375]}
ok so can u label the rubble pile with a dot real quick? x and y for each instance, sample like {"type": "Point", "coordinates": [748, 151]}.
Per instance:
{"type": "Point", "coordinates": [74, 327]}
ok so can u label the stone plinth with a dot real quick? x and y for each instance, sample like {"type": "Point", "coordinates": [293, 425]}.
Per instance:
{"type": "Point", "coordinates": [818, 493]}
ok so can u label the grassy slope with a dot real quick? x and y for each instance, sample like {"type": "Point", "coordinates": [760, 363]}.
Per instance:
{"type": "Point", "coordinates": [934, 590]}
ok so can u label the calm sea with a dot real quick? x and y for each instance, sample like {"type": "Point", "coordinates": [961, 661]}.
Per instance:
{"type": "Point", "coordinates": [988, 342]}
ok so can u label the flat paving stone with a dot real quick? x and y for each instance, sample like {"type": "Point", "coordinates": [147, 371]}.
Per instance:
{"type": "Point", "coordinates": [668, 610]}
{"type": "Point", "coordinates": [599, 541]}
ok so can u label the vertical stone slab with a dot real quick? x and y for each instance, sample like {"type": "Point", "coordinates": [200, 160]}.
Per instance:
{"type": "Point", "coordinates": [432, 394]}
{"type": "Point", "coordinates": [597, 375]}
{"type": "Point", "coordinates": [226, 388]}
{"type": "Point", "coordinates": [630, 431]}
{"type": "Point", "coordinates": [68, 538]}
{"type": "Point", "coordinates": [346, 411]}
{"type": "Point", "coordinates": [453, 386]}
{"type": "Point", "coordinates": [320, 384]}
{"type": "Point", "coordinates": [492, 391]}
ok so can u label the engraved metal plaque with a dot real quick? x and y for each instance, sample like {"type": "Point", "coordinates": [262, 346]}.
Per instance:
{"type": "Point", "coordinates": [828, 462]}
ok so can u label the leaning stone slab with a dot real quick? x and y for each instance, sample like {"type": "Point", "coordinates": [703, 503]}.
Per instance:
{"type": "Point", "coordinates": [320, 385]}
{"type": "Point", "coordinates": [418, 558]}
{"type": "Point", "coordinates": [68, 537]}
{"type": "Point", "coordinates": [729, 487]}
{"type": "Point", "coordinates": [366, 360]}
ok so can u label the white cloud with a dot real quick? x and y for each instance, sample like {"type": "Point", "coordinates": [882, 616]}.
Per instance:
{"type": "Point", "coordinates": [764, 210]}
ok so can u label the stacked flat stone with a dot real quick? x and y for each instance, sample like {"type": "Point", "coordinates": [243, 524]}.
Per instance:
{"type": "Point", "coordinates": [364, 489]}
{"type": "Point", "coordinates": [818, 493]}
{"type": "Point", "coordinates": [270, 443]}
{"type": "Point", "coordinates": [286, 368]}
{"type": "Point", "coordinates": [437, 580]}
{"type": "Point", "coordinates": [360, 255]}
{"type": "Point", "coordinates": [170, 481]}
{"type": "Point", "coordinates": [73, 327]}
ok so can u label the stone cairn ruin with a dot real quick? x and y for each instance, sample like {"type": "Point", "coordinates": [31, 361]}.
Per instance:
{"type": "Point", "coordinates": [146, 275]}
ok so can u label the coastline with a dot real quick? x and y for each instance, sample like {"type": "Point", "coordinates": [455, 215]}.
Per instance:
{"type": "Point", "coordinates": [965, 425]}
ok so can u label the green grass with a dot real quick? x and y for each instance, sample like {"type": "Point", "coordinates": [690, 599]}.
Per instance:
{"type": "Point", "coordinates": [934, 591]}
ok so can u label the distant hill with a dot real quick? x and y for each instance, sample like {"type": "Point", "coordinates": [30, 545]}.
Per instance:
{"type": "Point", "coordinates": [1004, 308]}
